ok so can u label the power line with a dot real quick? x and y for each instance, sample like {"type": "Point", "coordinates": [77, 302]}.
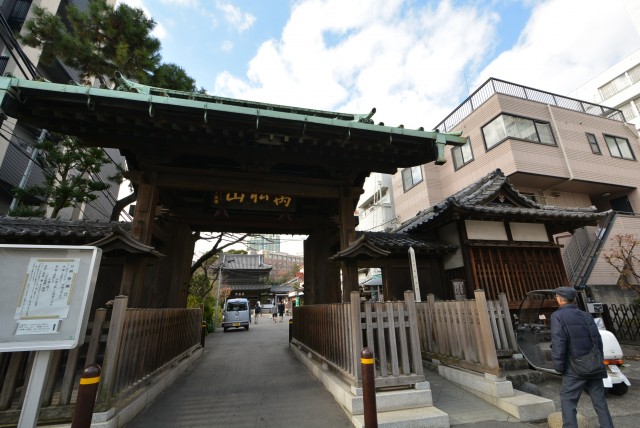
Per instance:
{"type": "Point", "coordinates": [95, 177]}
{"type": "Point", "coordinates": [15, 50]}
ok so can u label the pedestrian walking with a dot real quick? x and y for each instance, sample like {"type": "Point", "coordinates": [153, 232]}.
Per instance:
{"type": "Point", "coordinates": [281, 310]}
{"type": "Point", "coordinates": [274, 312]}
{"type": "Point", "coordinates": [574, 334]}
{"type": "Point", "coordinates": [257, 310]}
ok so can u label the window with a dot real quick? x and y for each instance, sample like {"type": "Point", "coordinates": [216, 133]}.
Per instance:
{"type": "Point", "coordinates": [411, 177]}
{"type": "Point", "coordinates": [619, 147]}
{"type": "Point", "coordinates": [613, 87]}
{"type": "Point", "coordinates": [634, 74]}
{"type": "Point", "coordinates": [507, 126]}
{"type": "Point", "coordinates": [595, 148]}
{"type": "Point", "coordinates": [607, 91]}
{"type": "Point", "coordinates": [628, 112]}
{"type": "Point", "coordinates": [17, 16]}
{"type": "Point", "coordinates": [462, 155]}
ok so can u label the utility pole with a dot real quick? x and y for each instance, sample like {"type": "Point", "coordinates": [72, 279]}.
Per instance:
{"type": "Point", "coordinates": [27, 171]}
{"type": "Point", "coordinates": [215, 319]}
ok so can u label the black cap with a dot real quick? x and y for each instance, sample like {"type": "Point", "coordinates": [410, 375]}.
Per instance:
{"type": "Point", "coordinates": [568, 293]}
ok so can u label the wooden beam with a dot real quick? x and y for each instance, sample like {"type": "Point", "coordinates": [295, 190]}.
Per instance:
{"type": "Point", "coordinates": [211, 181]}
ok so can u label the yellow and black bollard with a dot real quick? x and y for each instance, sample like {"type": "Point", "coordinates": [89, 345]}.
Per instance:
{"type": "Point", "coordinates": [86, 400]}
{"type": "Point", "coordinates": [203, 333]}
{"type": "Point", "coordinates": [368, 388]}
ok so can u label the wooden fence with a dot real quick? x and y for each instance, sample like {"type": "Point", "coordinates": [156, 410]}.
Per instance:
{"type": "Point", "coordinates": [470, 334]}
{"type": "Point", "coordinates": [336, 334]}
{"type": "Point", "coordinates": [131, 347]}
{"type": "Point", "coordinates": [325, 330]}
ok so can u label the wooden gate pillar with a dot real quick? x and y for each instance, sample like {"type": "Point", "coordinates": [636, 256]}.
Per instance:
{"type": "Point", "coordinates": [142, 230]}
{"type": "Point", "coordinates": [321, 276]}
{"type": "Point", "coordinates": [347, 236]}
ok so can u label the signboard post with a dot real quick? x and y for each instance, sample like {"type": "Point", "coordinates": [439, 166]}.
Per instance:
{"type": "Point", "coordinates": [414, 274]}
{"type": "Point", "coordinates": [46, 298]}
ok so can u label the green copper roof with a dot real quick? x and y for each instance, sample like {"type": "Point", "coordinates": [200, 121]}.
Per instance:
{"type": "Point", "coordinates": [55, 106]}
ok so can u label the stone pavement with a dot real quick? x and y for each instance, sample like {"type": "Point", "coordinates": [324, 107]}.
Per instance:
{"type": "Point", "coordinates": [252, 379]}
{"type": "Point", "coordinates": [246, 379]}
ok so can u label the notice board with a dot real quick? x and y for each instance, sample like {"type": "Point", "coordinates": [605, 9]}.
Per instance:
{"type": "Point", "coordinates": [46, 293]}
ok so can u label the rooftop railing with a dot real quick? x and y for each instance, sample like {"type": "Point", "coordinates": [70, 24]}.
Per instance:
{"type": "Point", "coordinates": [496, 86]}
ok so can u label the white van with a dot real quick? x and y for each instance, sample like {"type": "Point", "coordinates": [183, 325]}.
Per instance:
{"type": "Point", "coordinates": [236, 314]}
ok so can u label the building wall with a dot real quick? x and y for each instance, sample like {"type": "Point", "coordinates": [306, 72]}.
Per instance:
{"type": "Point", "coordinates": [375, 206]}
{"type": "Point", "coordinates": [14, 155]}
{"type": "Point", "coordinates": [571, 159]}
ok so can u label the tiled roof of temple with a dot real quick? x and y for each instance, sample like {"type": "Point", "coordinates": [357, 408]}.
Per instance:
{"type": "Point", "coordinates": [494, 195]}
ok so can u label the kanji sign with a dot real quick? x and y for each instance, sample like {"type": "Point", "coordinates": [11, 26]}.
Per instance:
{"type": "Point", "coordinates": [253, 201]}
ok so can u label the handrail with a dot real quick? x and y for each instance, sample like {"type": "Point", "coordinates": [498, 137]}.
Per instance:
{"type": "Point", "coordinates": [496, 86]}
{"type": "Point", "coordinates": [595, 249]}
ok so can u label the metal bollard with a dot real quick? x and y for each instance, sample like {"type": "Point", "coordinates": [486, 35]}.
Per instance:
{"type": "Point", "coordinates": [368, 388]}
{"type": "Point", "coordinates": [86, 400]}
{"type": "Point", "coordinates": [203, 333]}
{"type": "Point", "coordinates": [290, 330]}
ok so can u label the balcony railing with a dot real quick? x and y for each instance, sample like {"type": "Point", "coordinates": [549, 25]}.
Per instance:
{"type": "Point", "coordinates": [496, 86]}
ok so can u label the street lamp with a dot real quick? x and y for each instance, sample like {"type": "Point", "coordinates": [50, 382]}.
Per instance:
{"type": "Point", "coordinates": [215, 320]}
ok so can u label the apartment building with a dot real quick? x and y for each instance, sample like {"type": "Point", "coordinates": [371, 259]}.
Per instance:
{"type": "Point", "coordinates": [617, 87]}
{"type": "Point", "coordinates": [16, 139]}
{"type": "Point", "coordinates": [557, 151]}
{"type": "Point", "coordinates": [375, 207]}
{"type": "Point", "coordinates": [283, 265]}
{"type": "Point", "coordinates": [262, 243]}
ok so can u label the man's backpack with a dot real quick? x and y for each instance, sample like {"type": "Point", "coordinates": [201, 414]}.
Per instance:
{"type": "Point", "coordinates": [258, 309]}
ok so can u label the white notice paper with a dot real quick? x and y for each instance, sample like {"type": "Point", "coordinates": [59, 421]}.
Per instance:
{"type": "Point", "coordinates": [47, 288]}
{"type": "Point", "coordinates": [25, 327]}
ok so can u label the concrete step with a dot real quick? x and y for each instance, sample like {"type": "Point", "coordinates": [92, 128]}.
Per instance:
{"type": "Point", "coordinates": [396, 400]}
{"type": "Point", "coordinates": [519, 377]}
{"type": "Point", "coordinates": [409, 418]}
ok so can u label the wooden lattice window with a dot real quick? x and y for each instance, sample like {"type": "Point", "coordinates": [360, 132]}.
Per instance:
{"type": "Point", "coordinates": [516, 271]}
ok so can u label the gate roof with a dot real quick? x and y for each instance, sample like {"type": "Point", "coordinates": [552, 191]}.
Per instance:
{"type": "Point", "coordinates": [197, 147]}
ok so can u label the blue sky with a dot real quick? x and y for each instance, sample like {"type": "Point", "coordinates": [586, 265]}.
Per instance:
{"type": "Point", "coordinates": [414, 60]}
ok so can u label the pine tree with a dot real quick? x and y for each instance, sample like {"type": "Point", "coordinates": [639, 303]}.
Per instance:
{"type": "Point", "coordinates": [69, 173]}
{"type": "Point", "coordinates": [102, 40]}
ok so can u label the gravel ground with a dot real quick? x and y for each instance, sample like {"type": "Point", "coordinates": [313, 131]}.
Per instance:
{"type": "Point", "coordinates": [625, 410]}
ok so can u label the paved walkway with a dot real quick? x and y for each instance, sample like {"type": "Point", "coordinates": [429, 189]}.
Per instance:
{"type": "Point", "coordinates": [246, 379]}
{"type": "Point", "coordinates": [251, 379]}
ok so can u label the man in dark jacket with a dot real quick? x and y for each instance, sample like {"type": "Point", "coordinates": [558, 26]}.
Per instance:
{"type": "Point", "coordinates": [573, 332]}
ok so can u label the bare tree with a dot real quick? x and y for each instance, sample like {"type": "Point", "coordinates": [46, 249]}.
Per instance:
{"type": "Point", "coordinates": [623, 259]}
{"type": "Point", "coordinates": [220, 242]}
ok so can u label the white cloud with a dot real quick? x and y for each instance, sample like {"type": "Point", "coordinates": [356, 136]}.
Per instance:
{"type": "Point", "coordinates": [227, 46]}
{"type": "Point", "coordinates": [405, 60]}
{"type": "Point", "coordinates": [411, 60]}
{"type": "Point", "coordinates": [159, 31]}
{"type": "Point", "coordinates": [235, 16]}
{"type": "Point", "coordinates": [565, 43]}
{"type": "Point", "coordinates": [184, 3]}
